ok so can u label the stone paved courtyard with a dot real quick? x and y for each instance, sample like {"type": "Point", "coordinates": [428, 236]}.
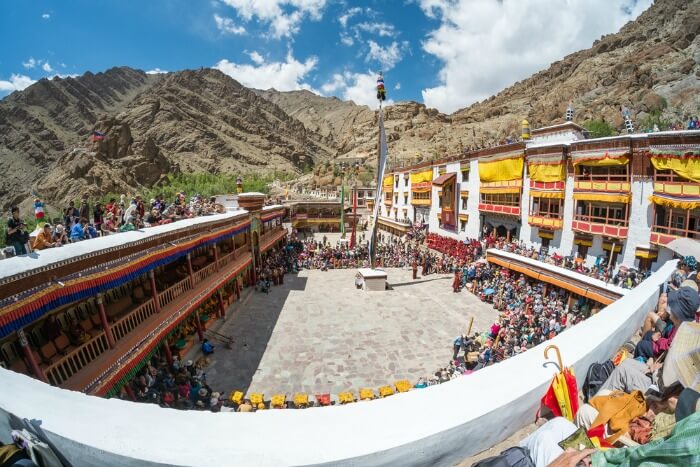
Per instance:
{"type": "Point", "coordinates": [317, 333]}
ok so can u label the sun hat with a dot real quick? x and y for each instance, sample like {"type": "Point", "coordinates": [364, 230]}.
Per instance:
{"type": "Point", "coordinates": [683, 358]}
{"type": "Point", "coordinates": [683, 303]}
{"type": "Point", "coordinates": [202, 392]}
{"type": "Point", "coordinates": [690, 261]}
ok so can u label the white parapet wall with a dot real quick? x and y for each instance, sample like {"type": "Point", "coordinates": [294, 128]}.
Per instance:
{"type": "Point", "coordinates": [439, 425]}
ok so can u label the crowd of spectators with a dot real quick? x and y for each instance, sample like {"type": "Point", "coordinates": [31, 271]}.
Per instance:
{"type": "Point", "coordinates": [78, 224]}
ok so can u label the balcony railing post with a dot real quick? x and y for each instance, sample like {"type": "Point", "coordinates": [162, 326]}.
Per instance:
{"type": "Point", "coordinates": [216, 258]}
{"type": "Point", "coordinates": [189, 269]}
{"type": "Point", "coordinates": [105, 322]}
{"type": "Point", "coordinates": [154, 290]}
{"type": "Point", "coordinates": [198, 325]}
{"type": "Point", "coordinates": [29, 355]}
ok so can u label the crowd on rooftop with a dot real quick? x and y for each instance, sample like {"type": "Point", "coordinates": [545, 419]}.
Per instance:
{"type": "Point", "coordinates": [78, 224]}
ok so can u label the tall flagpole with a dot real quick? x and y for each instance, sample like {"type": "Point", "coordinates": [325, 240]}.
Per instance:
{"type": "Point", "coordinates": [382, 154]}
{"type": "Point", "coordinates": [354, 217]}
{"type": "Point", "coordinates": [342, 210]}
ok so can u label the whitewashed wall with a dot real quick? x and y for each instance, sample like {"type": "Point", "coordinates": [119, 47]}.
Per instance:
{"type": "Point", "coordinates": [438, 426]}
{"type": "Point", "coordinates": [640, 222]}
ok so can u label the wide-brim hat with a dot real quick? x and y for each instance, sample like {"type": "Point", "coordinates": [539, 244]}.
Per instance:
{"type": "Point", "coordinates": [683, 359]}
{"type": "Point", "coordinates": [683, 303]}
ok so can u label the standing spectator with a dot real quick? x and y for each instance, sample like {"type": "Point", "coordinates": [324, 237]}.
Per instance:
{"type": "Point", "coordinates": [16, 235]}
{"type": "Point", "coordinates": [85, 209]}
{"type": "Point", "coordinates": [79, 231]}
{"type": "Point", "coordinates": [70, 215]}
{"type": "Point", "coordinates": [97, 214]}
{"type": "Point", "coordinates": [44, 239]}
{"type": "Point", "coordinates": [38, 210]}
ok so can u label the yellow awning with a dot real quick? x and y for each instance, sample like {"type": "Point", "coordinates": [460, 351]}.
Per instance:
{"type": "Point", "coordinates": [422, 177]}
{"type": "Point", "coordinates": [464, 194]}
{"type": "Point", "coordinates": [583, 242]}
{"type": "Point", "coordinates": [547, 194]}
{"type": "Point", "coordinates": [464, 217]}
{"type": "Point", "coordinates": [422, 189]}
{"type": "Point", "coordinates": [604, 197]}
{"type": "Point", "coordinates": [502, 170]}
{"type": "Point", "coordinates": [546, 234]}
{"type": "Point", "coordinates": [675, 202]}
{"type": "Point", "coordinates": [547, 172]}
{"type": "Point", "coordinates": [388, 180]}
{"type": "Point", "coordinates": [646, 254]}
{"type": "Point", "coordinates": [688, 168]}
{"type": "Point", "coordinates": [607, 246]}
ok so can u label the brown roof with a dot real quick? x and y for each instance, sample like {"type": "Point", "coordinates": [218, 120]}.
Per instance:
{"type": "Point", "coordinates": [444, 178]}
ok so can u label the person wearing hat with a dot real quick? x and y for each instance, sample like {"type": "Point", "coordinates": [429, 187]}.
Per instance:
{"type": "Point", "coordinates": [44, 239]}
{"type": "Point", "coordinates": [59, 236]}
{"type": "Point", "coordinates": [675, 307]}
{"type": "Point", "coordinates": [685, 267]}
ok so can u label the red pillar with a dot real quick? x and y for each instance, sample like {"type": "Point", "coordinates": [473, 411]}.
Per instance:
{"type": "Point", "coordinates": [233, 244]}
{"type": "Point", "coordinates": [189, 268]}
{"type": "Point", "coordinates": [216, 257]}
{"type": "Point", "coordinates": [222, 306]}
{"type": "Point", "coordinates": [154, 290]}
{"type": "Point", "coordinates": [105, 322]}
{"type": "Point", "coordinates": [130, 392]}
{"type": "Point", "coordinates": [29, 356]}
{"type": "Point", "coordinates": [168, 352]}
{"type": "Point", "coordinates": [238, 289]}
{"type": "Point", "coordinates": [198, 325]}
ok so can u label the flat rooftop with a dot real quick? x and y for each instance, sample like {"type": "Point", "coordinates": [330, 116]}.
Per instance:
{"type": "Point", "coordinates": [317, 333]}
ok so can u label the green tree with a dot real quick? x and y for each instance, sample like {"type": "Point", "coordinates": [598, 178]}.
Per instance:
{"type": "Point", "coordinates": [654, 118]}
{"type": "Point", "coordinates": [599, 128]}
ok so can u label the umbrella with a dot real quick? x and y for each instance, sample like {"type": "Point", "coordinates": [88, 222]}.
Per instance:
{"type": "Point", "coordinates": [562, 396]}
{"type": "Point", "coordinates": [489, 292]}
{"type": "Point", "coordinates": [685, 247]}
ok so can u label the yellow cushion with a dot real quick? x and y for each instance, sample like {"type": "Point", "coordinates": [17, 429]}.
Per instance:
{"type": "Point", "coordinates": [301, 399]}
{"type": "Point", "coordinates": [366, 394]}
{"type": "Point", "coordinates": [278, 400]}
{"type": "Point", "coordinates": [386, 391]}
{"type": "Point", "coordinates": [403, 385]}
{"type": "Point", "coordinates": [237, 397]}
{"type": "Point", "coordinates": [257, 398]}
{"type": "Point", "coordinates": [346, 397]}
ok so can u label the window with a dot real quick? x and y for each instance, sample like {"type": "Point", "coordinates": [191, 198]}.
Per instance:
{"type": "Point", "coordinates": [678, 222]}
{"type": "Point", "coordinates": [582, 251]}
{"type": "Point", "coordinates": [546, 207]}
{"type": "Point", "coordinates": [465, 174]}
{"type": "Point", "coordinates": [405, 198]}
{"type": "Point", "coordinates": [421, 195]}
{"type": "Point", "coordinates": [668, 176]}
{"type": "Point", "coordinates": [614, 173]}
{"type": "Point", "coordinates": [465, 199]}
{"type": "Point", "coordinates": [602, 213]}
{"type": "Point", "coordinates": [396, 182]}
{"type": "Point", "coordinates": [405, 181]}
{"type": "Point", "coordinates": [504, 199]}
{"type": "Point", "coordinates": [545, 242]}
{"type": "Point", "coordinates": [462, 225]}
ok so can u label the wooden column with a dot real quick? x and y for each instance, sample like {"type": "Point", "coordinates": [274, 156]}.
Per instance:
{"type": "Point", "coordinates": [130, 392]}
{"type": "Point", "coordinates": [222, 307]}
{"type": "Point", "coordinates": [168, 352]}
{"type": "Point", "coordinates": [29, 356]}
{"type": "Point", "coordinates": [154, 290]}
{"type": "Point", "coordinates": [105, 322]}
{"type": "Point", "coordinates": [216, 257]}
{"type": "Point", "coordinates": [189, 268]}
{"type": "Point", "coordinates": [198, 325]}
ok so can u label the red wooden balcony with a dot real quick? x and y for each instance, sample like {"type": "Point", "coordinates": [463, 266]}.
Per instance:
{"type": "Point", "coordinates": [500, 209]}
{"type": "Point", "coordinates": [546, 222]}
{"type": "Point", "coordinates": [581, 224]}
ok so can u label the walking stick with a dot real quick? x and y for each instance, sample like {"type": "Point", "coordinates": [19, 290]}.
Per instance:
{"type": "Point", "coordinates": [469, 328]}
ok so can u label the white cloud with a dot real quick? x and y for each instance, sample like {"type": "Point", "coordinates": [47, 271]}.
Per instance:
{"type": "Point", "coordinates": [156, 71]}
{"type": "Point", "coordinates": [346, 39]}
{"type": "Point", "coordinates": [388, 56]}
{"type": "Point", "coordinates": [397, 86]}
{"type": "Point", "coordinates": [283, 76]}
{"type": "Point", "coordinates": [46, 67]}
{"type": "Point", "coordinates": [256, 58]}
{"type": "Point", "coordinates": [379, 29]}
{"type": "Point", "coordinates": [31, 63]}
{"type": "Point", "coordinates": [343, 19]}
{"type": "Point", "coordinates": [46, 16]}
{"type": "Point", "coordinates": [283, 16]}
{"type": "Point", "coordinates": [360, 88]}
{"type": "Point", "coordinates": [16, 83]}
{"type": "Point", "coordinates": [487, 45]}
{"type": "Point", "coordinates": [227, 26]}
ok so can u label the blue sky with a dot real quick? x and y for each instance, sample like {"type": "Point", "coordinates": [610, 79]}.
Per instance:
{"type": "Point", "coordinates": [446, 53]}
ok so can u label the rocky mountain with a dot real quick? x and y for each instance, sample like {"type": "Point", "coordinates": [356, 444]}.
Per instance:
{"type": "Point", "coordinates": [651, 66]}
{"type": "Point", "coordinates": [204, 121]}
{"type": "Point", "coordinates": [189, 121]}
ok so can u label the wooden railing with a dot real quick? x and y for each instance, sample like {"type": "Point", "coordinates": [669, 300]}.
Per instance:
{"type": "Point", "coordinates": [128, 323]}
{"type": "Point", "coordinates": [169, 294]}
{"type": "Point", "coordinates": [224, 260]}
{"type": "Point", "coordinates": [203, 273]}
{"type": "Point", "coordinates": [76, 359]}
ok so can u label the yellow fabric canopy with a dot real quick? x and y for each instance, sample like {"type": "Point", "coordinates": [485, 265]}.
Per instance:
{"type": "Point", "coordinates": [583, 242]}
{"type": "Point", "coordinates": [547, 172]}
{"type": "Point", "coordinates": [646, 254]}
{"type": "Point", "coordinates": [688, 168]}
{"type": "Point", "coordinates": [500, 189]}
{"type": "Point", "coordinates": [605, 197]}
{"type": "Point", "coordinates": [604, 162]}
{"type": "Point", "coordinates": [421, 177]}
{"type": "Point", "coordinates": [388, 180]}
{"type": "Point", "coordinates": [675, 203]}
{"type": "Point", "coordinates": [547, 194]}
{"type": "Point", "coordinates": [607, 246]}
{"type": "Point", "coordinates": [422, 189]}
{"type": "Point", "coordinates": [501, 171]}
{"type": "Point", "coordinates": [546, 234]}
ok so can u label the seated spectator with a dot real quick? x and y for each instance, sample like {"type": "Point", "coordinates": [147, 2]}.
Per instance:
{"type": "Point", "coordinates": [79, 231]}
{"type": "Point", "coordinates": [207, 348]}
{"type": "Point", "coordinates": [44, 239]}
{"type": "Point", "coordinates": [77, 334]}
{"type": "Point", "coordinates": [109, 226]}
{"type": "Point", "coordinates": [128, 225]}
{"type": "Point", "coordinates": [59, 236]}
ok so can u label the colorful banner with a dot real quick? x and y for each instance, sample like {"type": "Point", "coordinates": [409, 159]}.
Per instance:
{"type": "Point", "coordinates": [601, 157]}
{"type": "Point", "coordinates": [501, 170]}
{"type": "Point", "coordinates": [686, 167]}
{"type": "Point", "coordinates": [421, 177]}
{"type": "Point", "coordinates": [547, 172]}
